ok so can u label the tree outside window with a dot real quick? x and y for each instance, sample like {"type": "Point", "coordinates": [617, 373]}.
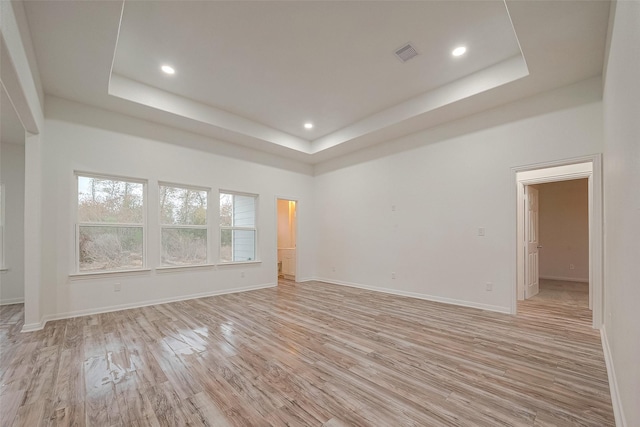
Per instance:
{"type": "Point", "coordinates": [111, 224]}
{"type": "Point", "coordinates": [183, 223]}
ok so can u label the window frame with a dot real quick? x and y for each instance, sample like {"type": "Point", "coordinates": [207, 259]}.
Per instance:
{"type": "Point", "coordinates": [207, 226]}
{"type": "Point", "coordinates": [254, 228]}
{"type": "Point", "coordinates": [143, 225]}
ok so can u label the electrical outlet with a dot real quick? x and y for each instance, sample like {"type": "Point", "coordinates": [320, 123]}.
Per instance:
{"type": "Point", "coordinates": [117, 287]}
{"type": "Point", "coordinates": [333, 269]}
{"type": "Point", "coordinates": [481, 231]}
{"type": "Point", "coordinates": [393, 275]}
{"type": "Point", "coordinates": [242, 274]}
{"type": "Point", "coordinates": [393, 208]}
{"type": "Point", "coordinates": [572, 267]}
{"type": "Point", "coordinates": [489, 286]}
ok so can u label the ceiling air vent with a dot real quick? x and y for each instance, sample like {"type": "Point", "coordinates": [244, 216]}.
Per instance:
{"type": "Point", "coordinates": [406, 52]}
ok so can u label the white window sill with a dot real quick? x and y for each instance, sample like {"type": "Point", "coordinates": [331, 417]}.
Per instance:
{"type": "Point", "coordinates": [115, 273]}
{"type": "Point", "coordinates": [222, 264]}
{"type": "Point", "coordinates": [168, 269]}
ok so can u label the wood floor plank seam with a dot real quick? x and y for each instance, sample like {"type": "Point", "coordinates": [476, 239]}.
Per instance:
{"type": "Point", "coordinates": [310, 354]}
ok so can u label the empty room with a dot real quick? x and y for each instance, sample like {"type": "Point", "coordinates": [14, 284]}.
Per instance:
{"type": "Point", "coordinates": [319, 213]}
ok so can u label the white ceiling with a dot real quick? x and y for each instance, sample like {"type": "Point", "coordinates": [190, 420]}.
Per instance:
{"type": "Point", "coordinates": [284, 63]}
{"type": "Point", "coordinates": [253, 72]}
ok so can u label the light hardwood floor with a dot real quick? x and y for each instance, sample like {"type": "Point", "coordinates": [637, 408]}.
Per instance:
{"type": "Point", "coordinates": [307, 354]}
{"type": "Point", "coordinates": [575, 294]}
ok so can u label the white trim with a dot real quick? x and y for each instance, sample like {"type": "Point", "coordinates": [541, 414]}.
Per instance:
{"type": "Point", "coordinates": [556, 163]}
{"type": "Point", "coordinates": [255, 261]}
{"type": "Point", "coordinates": [9, 301]}
{"type": "Point", "coordinates": [616, 402]}
{"type": "Point", "coordinates": [111, 273]}
{"type": "Point", "coordinates": [239, 193]}
{"type": "Point", "coordinates": [110, 177]}
{"type": "Point", "coordinates": [566, 279]}
{"type": "Point", "coordinates": [427, 297]}
{"type": "Point", "coordinates": [556, 178]}
{"type": "Point", "coordinates": [170, 268]}
{"type": "Point", "coordinates": [112, 224]}
{"type": "Point", "coordinates": [74, 261]}
{"type": "Point", "coordinates": [32, 327]}
{"type": "Point", "coordinates": [88, 312]}
{"type": "Point", "coordinates": [115, 48]}
{"type": "Point", "coordinates": [183, 226]}
{"type": "Point", "coordinates": [229, 227]}
{"type": "Point", "coordinates": [185, 187]}
{"type": "Point", "coordinates": [595, 223]}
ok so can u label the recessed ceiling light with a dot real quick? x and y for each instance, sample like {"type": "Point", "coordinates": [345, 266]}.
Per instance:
{"type": "Point", "coordinates": [168, 69]}
{"type": "Point", "coordinates": [308, 125]}
{"type": "Point", "coordinates": [460, 50]}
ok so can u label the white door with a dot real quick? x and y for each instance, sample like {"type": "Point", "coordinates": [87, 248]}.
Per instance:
{"type": "Point", "coordinates": [531, 233]}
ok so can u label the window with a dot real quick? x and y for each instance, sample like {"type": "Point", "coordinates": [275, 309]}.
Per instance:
{"type": "Point", "coordinates": [111, 224]}
{"type": "Point", "coordinates": [183, 225]}
{"type": "Point", "coordinates": [237, 227]}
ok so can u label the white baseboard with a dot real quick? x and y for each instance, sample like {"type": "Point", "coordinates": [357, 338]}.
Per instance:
{"type": "Point", "coordinates": [31, 327]}
{"type": "Point", "coordinates": [8, 301]}
{"type": "Point", "coordinates": [427, 297]}
{"type": "Point", "coordinates": [566, 279]}
{"type": "Point", "coordinates": [88, 312]}
{"type": "Point", "coordinates": [618, 413]}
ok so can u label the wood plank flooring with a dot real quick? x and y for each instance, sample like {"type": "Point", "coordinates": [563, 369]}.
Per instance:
{"type": "Point", "coordinates": [309, 354]}
{"type": "Point", "coordinates": [574, 294]}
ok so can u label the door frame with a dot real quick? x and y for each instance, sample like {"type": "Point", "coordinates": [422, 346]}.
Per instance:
{"type": "Point", "coordinates": [545, 173]}
{"type": "Point", "coordinates": [289, 199]}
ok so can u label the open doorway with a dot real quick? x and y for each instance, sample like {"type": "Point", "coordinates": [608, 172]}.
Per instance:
{"type": "Point", "coordinates": [287, 236]}
{"type": "Point", "coordinates": [12, 187]}
{"type": "Point", "coordinates": [559, 193]}
{"type": "Point", "coordinates": [561, 247]}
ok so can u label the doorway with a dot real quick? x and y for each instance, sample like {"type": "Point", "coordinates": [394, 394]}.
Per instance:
{"type": "Point", "coordinates": [561, 247]}
{"type": "Point", "coordinates": [12, 198]}
{"type": "Point", "coordinates": [528, 244]}
{"type": "Point", "coordinates": [287, 239]}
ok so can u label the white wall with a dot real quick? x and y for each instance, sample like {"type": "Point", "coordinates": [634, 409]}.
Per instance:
{"type": "Point", "coordinates": [86, 139]}
{"type": "Point", "coordinates": [12, 176]}
{"type": "Point", "coordinates": [416, 213]}
{"type": "Point", "coordinates": [564, 230]}
{"type": "Point", "coordinates": [622, 210]}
